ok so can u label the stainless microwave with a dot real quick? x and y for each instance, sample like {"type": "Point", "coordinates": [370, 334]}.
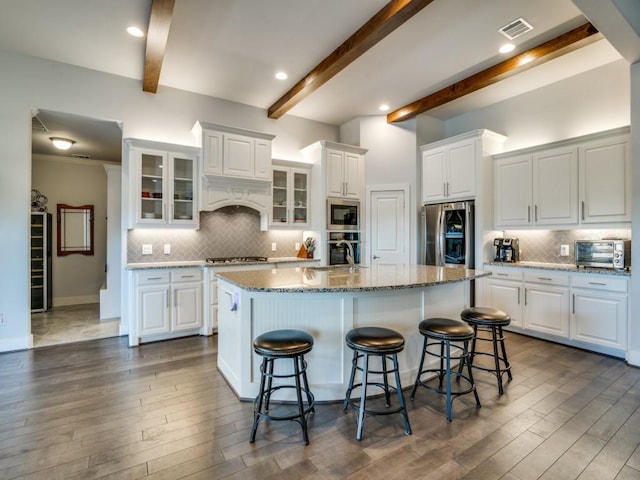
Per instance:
{"type": "Point", "coordinates": [343, 214]}
{"type": "Point", "coordinates": [615, 254]}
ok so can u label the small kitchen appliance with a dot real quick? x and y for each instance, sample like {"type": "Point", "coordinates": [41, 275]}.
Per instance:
{"type": "Point", "coordinates": [606, 253]}
{"type": "Point", "coordinates": [343, 214]}
{"type": "Point", "coordinates": [507, 249]}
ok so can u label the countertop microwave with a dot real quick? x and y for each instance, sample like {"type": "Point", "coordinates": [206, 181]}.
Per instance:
{"type": "Point", "coordinates": [615, 254]}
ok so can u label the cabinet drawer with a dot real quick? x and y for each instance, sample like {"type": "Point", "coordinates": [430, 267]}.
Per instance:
{"type": "Point", "coordinates": [186, 275]}
{"type": "Point", "coordinates": [546, 277]}
{"type": "Point", "coordinates": [505, 273]}
{"type": "Point", "coordinates": [153, 277]}
{"type": "Point", "coordinates": [600, 282]}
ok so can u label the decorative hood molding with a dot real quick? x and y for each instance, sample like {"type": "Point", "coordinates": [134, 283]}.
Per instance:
{"type": "Point", "coordinates": [218, 192]}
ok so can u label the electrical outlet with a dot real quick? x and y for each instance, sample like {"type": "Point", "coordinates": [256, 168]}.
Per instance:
{"type": "Point", "coordinates": [297, 246]}
{"type": "Point", "coordinates": [167, 248]}
{"type": "Point", "coordinates": [564, 250]}
{"type": "Point", "coordinates": [273, 247]}
{"type": "Point", "coordinates": [1, 318]}
{"type": "Point", "coordinates": [147, 249]}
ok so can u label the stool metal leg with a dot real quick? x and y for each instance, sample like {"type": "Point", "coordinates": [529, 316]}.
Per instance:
{"type": "Point", "coordinates": [351, 378]}
{"type": "Point", "coordinates": [403, 407]}
{"type": "Point", "coordinates": [448, 361]}
{"type": "Point", "coordinates": [507, 365]}
{"type": "Point", "coordinates": [303, 419]}
{"type": "Point", "coordinates": [257, 408]}
{"type": "Point", "coordinates": [363, 395]}
{"type": "Point", "coordinates": [387, 398]}
{"type": "Point", "coordinates": [496, 359]}
{"type": "Point", "coordinates": [306, 383]}
{"type": "Point", "coordinates": [466, 360]}
{"type": "Point", "coordinates": [420, 366]}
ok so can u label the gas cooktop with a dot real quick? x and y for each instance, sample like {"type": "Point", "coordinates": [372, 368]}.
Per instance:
{"type": "Point", "coordinates": [235, 260]}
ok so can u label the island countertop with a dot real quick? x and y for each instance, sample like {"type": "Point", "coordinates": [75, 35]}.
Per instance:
{"type": "Point", "coordinates": [375, 277]}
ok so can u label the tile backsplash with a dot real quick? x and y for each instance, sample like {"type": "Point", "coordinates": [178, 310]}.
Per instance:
{"type": "Point", "coordinates": [544, 245]}
{"type": "Point", "coordinates": [226, 232]}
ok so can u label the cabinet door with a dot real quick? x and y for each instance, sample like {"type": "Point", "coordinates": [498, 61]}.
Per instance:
{"type": "Point", "coordinates": [239, 156]}
{"type": "Point", "coordinates": [187, 306]}
{"type": "Point", "coordinates": [512, 197]}
{"type": "Point", "coordinates": [280, 197]}
{"type": "Point", "coordinates": [335, 174]}
{"type": "Point", "coordinates": [546, 309]}
{"type": "Point", "coordinates": [605, 181]}
{"type": "Point", "coordinates": [212, 155]}
{"type": "Point", "coordinates": [152, 172]}
{"type": "Point", "coordinates": [433, 175]}
{"type": "Point", "coordinates": [555, 187]}
{"type": "Point", "coordinates": [299, 195]}
{"type": "Point", "coordinates": [505, 296]}
{"type": "Point", "coordinates": [352, 175]}
{"type": "Point", "coordinates": [460, 182]}
{"type": "Point", "coordinates": [153, 309]}
{"type": "Point", "coordinates": [181, 195]}
{"type": "Point", "coordinates": [262, 163]}
{"type": "Point", "coordinates": [599, 318]}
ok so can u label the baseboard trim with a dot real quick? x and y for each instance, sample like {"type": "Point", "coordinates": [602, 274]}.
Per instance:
{"type": "Point", "coordinates": [63, 301]}
{"type": "Point", "coordinates": [16, 343]}
{"type": "Point", "coordinates": [633, 358]}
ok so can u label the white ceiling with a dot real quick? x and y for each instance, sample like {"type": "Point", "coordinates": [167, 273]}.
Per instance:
{"type": "Point", "coordinates": [231, 49]}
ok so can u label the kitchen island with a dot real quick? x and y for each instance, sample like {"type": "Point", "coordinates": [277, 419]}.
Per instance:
{"type": "Point", "coordinates": [327, 303]}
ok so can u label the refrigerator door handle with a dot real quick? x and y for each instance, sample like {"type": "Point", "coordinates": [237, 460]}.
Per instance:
{"type": "Point", "coordinates": [440, 237]}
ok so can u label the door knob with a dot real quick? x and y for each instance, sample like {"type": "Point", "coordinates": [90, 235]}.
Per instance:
{"type": "Point", "coordinates": [375, 256]}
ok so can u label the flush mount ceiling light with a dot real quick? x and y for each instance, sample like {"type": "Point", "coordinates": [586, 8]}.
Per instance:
{"type": "Point", "coordinates": [135, 31]}
{"type": "Point", "coordinates": [282, 76]}
{"type": "Point", "coordinates": [61, 143]}
{"type": "Point", "coordinates": [507, 47]}
{"type": "Point", "coordinates": [384, 107]}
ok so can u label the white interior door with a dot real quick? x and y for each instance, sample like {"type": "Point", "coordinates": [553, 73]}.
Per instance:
{"type": "Point", "coordinates": [389, 226]}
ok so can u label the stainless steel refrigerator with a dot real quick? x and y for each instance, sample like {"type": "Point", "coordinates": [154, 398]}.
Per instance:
{"type": "Point", "coordinates": [447, 235]}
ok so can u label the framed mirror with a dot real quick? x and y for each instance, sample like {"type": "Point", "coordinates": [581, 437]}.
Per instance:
{"type": "Point", "coordinates": [75, 229]}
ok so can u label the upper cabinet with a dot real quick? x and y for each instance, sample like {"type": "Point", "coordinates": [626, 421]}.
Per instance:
{"type": "Point", "coordinates": [565, 184]}
{"type": "Point", "coordinates": [291, 194]}
{"type": "Point", "coordinates": [449, 167]}
{"type": "Point", "coordinates": [163, 187]}
{"type": "Point", "coordinates": [340, 169]}
{"type": "Point", "coordinates": [234, 152]}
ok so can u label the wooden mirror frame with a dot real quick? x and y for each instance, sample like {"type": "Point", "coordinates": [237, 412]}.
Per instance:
{"type": "Point", "coordinates": [84, 236]}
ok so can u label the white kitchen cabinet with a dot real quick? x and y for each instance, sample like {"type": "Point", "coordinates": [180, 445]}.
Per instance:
{"type": "Point", "coordinates": [168, 302]}
{"type": "Point", "coordinates": [449, 167]}
{"type": "Point", "coordinates": [163, 188]}
{"type": "Point", "coordinates": [345, 174]}
{"type": "Point", "coordinates": [234, 152]}
{"type": "Point", "coordinates": [537, 189]}
{"type": "Point", "coordinates": [504, 291]}
{"type": "Point", "coordinates": [546, 302]}
{"type": "Point", "coordinates": [605, 180]}
{"type": "Point", "coordinates": [290, 195]}
{"type": "Point", "coordinates": [599, 311]}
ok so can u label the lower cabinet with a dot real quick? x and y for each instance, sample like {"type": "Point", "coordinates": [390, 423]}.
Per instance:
{"type": "Point", "coordinates": [584, 310]}
{"type": "Point", "coordinates": [169, 302]}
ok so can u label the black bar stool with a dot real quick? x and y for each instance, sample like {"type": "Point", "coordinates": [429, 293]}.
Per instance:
{"type": "Point", "coordinates": [443, 331]}
{"type": "Point", "coordinates": [489, 320]}
{"type": "Point", "coordinates": [279, 344]}
{"type": "Point", "coordinates": [382, 343]}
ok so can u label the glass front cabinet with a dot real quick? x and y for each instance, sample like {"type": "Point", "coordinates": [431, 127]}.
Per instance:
{"type": "Point", "coordinates": [164, 185]}
{"type": "Point", "coordinates": [290, 195]}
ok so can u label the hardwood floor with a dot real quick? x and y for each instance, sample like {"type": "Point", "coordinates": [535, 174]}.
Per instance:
{"type": "Point", "coordinates": [100, 409]}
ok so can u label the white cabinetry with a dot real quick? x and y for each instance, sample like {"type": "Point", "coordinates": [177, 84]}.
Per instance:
{"type": "Point", "coordinates": [504, 292]}
{"type": "Point", "coordinates": [290, 195]}
{"type": "Point", "coordinates": [546, 302]}
{"type": "Point", "coordinates": [599, 311]}
{"type": "Point", "coordinates": [163, 186]}
{"type": "Point", "coordinates": [450, 167]}
{"type": "Point", "coordinates": [168, 302]}
{"type": "Point", "coordinates": [234, 152]}
{"type": "Point", "coordinates": [577, 181]}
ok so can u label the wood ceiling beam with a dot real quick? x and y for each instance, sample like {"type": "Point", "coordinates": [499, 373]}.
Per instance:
{"type": "Point", "coordinates": [560, 45]}
{"type": "Point", "coordinates": [390, 17]}
{"type": "Point", "coordinates": [157, 35]}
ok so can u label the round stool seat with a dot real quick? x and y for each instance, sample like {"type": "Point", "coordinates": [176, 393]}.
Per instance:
{"type": "Point", "coordinates": [283, 343]}
{"type": "Point", "coordinates": [485, 316]}
{"type": "Point", "coordinates": [376, 340]}
{"type": "Point", "coordinates": [446, 329]}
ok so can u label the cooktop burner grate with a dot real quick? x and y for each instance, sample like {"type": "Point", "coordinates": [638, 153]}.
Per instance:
{"type": "Point", "coordinates": [223, 260]}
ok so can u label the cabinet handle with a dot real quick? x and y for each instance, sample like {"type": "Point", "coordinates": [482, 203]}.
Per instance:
{"type": "Point", "coordinates": [518, 295]}
{"type": "Point", "coordinates": [502, 274]}
{"type": "Point", "coordinates": [528, 213]}
{"type": "Point", "coordinates": [547, 279]}
{"type": "Point", "coordinates": [536, 213]}
{"type": "Point", "coordinates": [447, 189]}
{"type": "Point", "coordinates": [573, 303]}
{"type": "Point", "coordinates": [582, 209]}
{"type": "Point", "coordinates": [525, 297]}
{"type": "Point", "coordinates": [187, 276]}
{"type": "Point", "coordinates": [598, 283]}
{"type": "Point", "coordinates": [154, 278]}
{"type": "Point", "coordinates": [444, 189]}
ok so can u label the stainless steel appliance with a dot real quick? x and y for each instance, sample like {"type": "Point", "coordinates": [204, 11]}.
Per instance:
{"type": "Point", "coordinates": [507, 249]}
{"type": "Point", "coordinates": [343, 214]}
{"type": "Point", "coordinates": [606, 253]}
{"type": "Point", "coordinates": [447, 234]}
{"type": "Point", "coordinates": [338, 250]}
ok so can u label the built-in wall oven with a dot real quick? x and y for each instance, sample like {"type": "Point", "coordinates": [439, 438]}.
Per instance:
{"type": "Point", "coordinates": [338, 248]}
{"type": "Point", "coordinates": [343, 214]}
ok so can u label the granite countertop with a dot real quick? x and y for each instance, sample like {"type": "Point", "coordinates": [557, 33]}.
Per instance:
{"type": "Point", "coordinates": [562, 267]}
{"type": "Point", "coordinates": [376, 277]}
{"type": "Point", "coordinates": [202, 263]}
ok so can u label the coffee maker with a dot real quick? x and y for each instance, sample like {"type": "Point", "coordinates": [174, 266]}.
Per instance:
{"type": "Point", "coordinates": [507, 249]}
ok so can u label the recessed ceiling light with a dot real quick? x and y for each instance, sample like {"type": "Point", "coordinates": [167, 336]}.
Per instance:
{"type": "Point", "coordinates": [61, 143]}
{"type": "Point", "coordinates": [135, 31]}
{"type": "Point", "coordinates": [507, 47]}
{"type": "Point", "coordinates": [384, 107]}
{"type": "Point", "coordinates": [282, 76]}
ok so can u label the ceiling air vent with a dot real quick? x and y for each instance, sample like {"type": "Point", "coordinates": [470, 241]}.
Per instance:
{"type": "Point", "coordinates": [81, 155]}
{"type": "Point", "coordinates": [37, 125]}
{"type": "Point", "coordinates": [516, 28]}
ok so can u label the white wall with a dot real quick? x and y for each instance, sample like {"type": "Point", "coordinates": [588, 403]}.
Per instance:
{"type": "Point", "coordinates": [76, 278]}
{"type": "Point", "coordinates": [633, 355]}
{"type": "Point", "coordinates": [168, 116]}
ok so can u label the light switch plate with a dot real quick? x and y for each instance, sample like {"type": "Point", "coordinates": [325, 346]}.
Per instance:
{"type": "Point", "coordinates": [167, 248]}
{"type": "Point", "coordinates": [564, 250]}
{"type": "Point", "coordinates": [147, 249]}
{"type": "Point", "coordinates": [273, 247]}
